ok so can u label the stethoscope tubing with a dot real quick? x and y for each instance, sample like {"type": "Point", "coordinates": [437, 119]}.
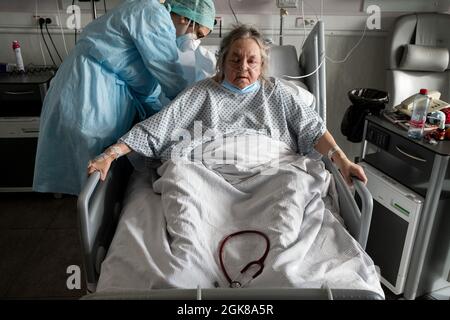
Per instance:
{"type": "Point", "coordinates": [259, 262]}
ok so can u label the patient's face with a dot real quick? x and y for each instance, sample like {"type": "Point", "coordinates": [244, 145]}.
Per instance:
{"type": "Point", "coordinates": [243, 63]}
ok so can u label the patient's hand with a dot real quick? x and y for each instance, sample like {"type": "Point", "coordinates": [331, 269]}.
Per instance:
{"type": "Point", "coordinates": [101, 163]}
{"type": "Point", "coordinates": [349, 169]}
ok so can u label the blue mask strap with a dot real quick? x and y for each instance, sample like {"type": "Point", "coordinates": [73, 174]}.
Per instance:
{"type": "Point", "coordinates": [250, 88]}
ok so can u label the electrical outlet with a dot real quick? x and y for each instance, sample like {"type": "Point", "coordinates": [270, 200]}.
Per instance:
{"type": "Point", "coordinates": [309, 22]}
{"type": "Point", "coordinates": [53, 17]}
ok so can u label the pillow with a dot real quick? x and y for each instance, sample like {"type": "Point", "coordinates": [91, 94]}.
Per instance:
{"type": "Point", "coordinates": [283, 60]}
{"type": "Point", "coordinates": [424, 58]}
{"type": "Point", "coordinates": [298, 88]}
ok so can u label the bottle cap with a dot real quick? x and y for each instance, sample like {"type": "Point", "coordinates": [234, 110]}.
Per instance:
{"type": "Point", "coordinates": [423, 91]}
{"type": "Point", "coordinates": [15, 44]}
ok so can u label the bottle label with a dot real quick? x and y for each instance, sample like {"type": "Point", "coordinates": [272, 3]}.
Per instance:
{"type": "Point", "coordinates": [417, 123]}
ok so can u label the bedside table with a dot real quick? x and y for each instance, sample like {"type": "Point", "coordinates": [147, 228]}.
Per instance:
{"type": "Point", "coordinates": [21, 99]}
{"type": "Point", "coordinates": [423, 169]}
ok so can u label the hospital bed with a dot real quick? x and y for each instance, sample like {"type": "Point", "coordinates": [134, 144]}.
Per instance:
{"type": "Point", "coordinates": [100, 205]}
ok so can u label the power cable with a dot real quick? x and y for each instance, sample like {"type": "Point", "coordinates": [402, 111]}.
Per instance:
{"type": "Point", "coordinates": [321, 17]}
{"type": "Point", "coordinates": [62, 30]}
{"type": "Point", "coordinates": [37, 29]}
{"type": "Point", "coordinates": [351, 50]}
{"type": "Point", "coordinates": [41, 22]}
{"type": "Point", "coordinates": [309, 74]}
{"type": "Point", "coordinates": [232, 11]}
{"type": "Point", "coordinates": [47, 21]}
{"type": "Point", "coordinates": [73, 12]}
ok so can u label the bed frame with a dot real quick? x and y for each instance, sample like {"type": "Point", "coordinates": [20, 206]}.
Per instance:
{"type": "Point", "coordinates": [100, 205]}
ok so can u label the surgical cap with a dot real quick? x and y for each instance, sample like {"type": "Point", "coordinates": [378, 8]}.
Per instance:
{"type": "Point", "coordinates": [201, 11]}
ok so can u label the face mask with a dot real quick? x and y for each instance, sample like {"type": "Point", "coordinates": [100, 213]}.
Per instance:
{"type": "Point", "coordinates": [250, 88]}
{"type": "Point", "coordinates": [187, 42]}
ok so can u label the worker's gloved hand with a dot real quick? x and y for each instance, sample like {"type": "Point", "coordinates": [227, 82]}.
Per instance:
{"type": "Point", "coordinates": [101, 163]}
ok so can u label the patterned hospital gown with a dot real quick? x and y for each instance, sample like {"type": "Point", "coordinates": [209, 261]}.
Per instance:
{"type": "Point", "coordinates": [274, 110]}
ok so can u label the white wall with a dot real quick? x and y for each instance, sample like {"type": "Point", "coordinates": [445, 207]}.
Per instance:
{"type": "Point", "coordinates": [344, 22]}
{"type": "Point", "coordinates": [363, 69]}
{"type": "Point", "coordinates": [334, 7]}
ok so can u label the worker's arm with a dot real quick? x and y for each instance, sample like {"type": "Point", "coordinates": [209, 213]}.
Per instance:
{"type": "Point", "coordinates": [153, 34]}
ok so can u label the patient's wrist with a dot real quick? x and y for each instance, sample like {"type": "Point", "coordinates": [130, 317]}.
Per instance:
{"type": "Point", "coordinates": [114, 152]}
{"type": "Point", "coordinates": [339, 158]}
{"type": "Point", "coordinates": [103, 157]}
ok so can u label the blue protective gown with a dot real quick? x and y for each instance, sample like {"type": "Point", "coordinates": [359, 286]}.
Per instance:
{"type": "Point", "coordinates": [115, 73]}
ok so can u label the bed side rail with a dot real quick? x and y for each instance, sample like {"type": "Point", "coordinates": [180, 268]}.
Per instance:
{"type": "Point", "coordinates": [240, 294]}
{"type": "Point", "coordinates": [99, 206]}
{"type": "Point", "coordinates": [357, 220]}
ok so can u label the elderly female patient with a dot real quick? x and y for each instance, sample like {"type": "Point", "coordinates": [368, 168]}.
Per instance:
{"type": "Point", "coordinates": [183, 216]}
{"type": "Point", "coordinates": [240, 96]}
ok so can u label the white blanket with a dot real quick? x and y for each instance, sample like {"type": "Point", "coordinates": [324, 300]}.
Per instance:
{"type": "Point", "coordinates": [169, 233]}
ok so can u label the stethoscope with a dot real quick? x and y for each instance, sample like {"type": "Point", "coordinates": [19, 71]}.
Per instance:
{"type": "Point", "coordinates": [243, 279]}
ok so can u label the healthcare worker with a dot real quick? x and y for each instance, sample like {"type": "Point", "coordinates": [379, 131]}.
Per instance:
{"type": "Point", "coordinates": [113, 77]}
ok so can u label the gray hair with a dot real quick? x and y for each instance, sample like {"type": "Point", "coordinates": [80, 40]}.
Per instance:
{"type": "Point", "coordinates": [241, 32]}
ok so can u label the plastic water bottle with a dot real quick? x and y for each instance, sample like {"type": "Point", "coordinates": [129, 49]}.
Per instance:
{"type": "Point", "coordinates": [19, 60]}
{"type": "Point", "coordinates": [419, 115]}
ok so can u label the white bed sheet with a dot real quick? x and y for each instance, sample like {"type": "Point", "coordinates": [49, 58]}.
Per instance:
{"type": "Point", "coordinates": [169, 232]}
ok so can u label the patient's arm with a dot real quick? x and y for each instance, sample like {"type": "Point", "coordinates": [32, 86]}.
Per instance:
{"type": "Point", "coordinates": [103, 162]}
{"type": "Point", "coordinates": [347, 167]}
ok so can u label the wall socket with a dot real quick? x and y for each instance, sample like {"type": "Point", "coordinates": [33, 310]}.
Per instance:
{"type": "Point", "coordinates": [53, 17]}
{"type": "Point", "coordinates": [309, 22]}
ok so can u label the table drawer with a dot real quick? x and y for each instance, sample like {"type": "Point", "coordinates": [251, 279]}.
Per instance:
{"type": "Point", "coordinates": [10, 92]}
{"type": "Point", "coordinates": [401, 147]}
{"type": "Point", "coordinates": [23, 100]}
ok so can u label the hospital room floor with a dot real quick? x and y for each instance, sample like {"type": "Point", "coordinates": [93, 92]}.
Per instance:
{"type": "Point", "coordinates": [39, 240]}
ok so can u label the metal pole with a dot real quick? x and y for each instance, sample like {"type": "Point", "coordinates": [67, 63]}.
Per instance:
{"type": "Point", "coordinates": [281, 27]}
{"type": "Point", "coordinates": [283, 12]}
{"type": "Point", "coordinates": [423, 233]}
{"type": "Point", "coordinates": [94, 10]}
